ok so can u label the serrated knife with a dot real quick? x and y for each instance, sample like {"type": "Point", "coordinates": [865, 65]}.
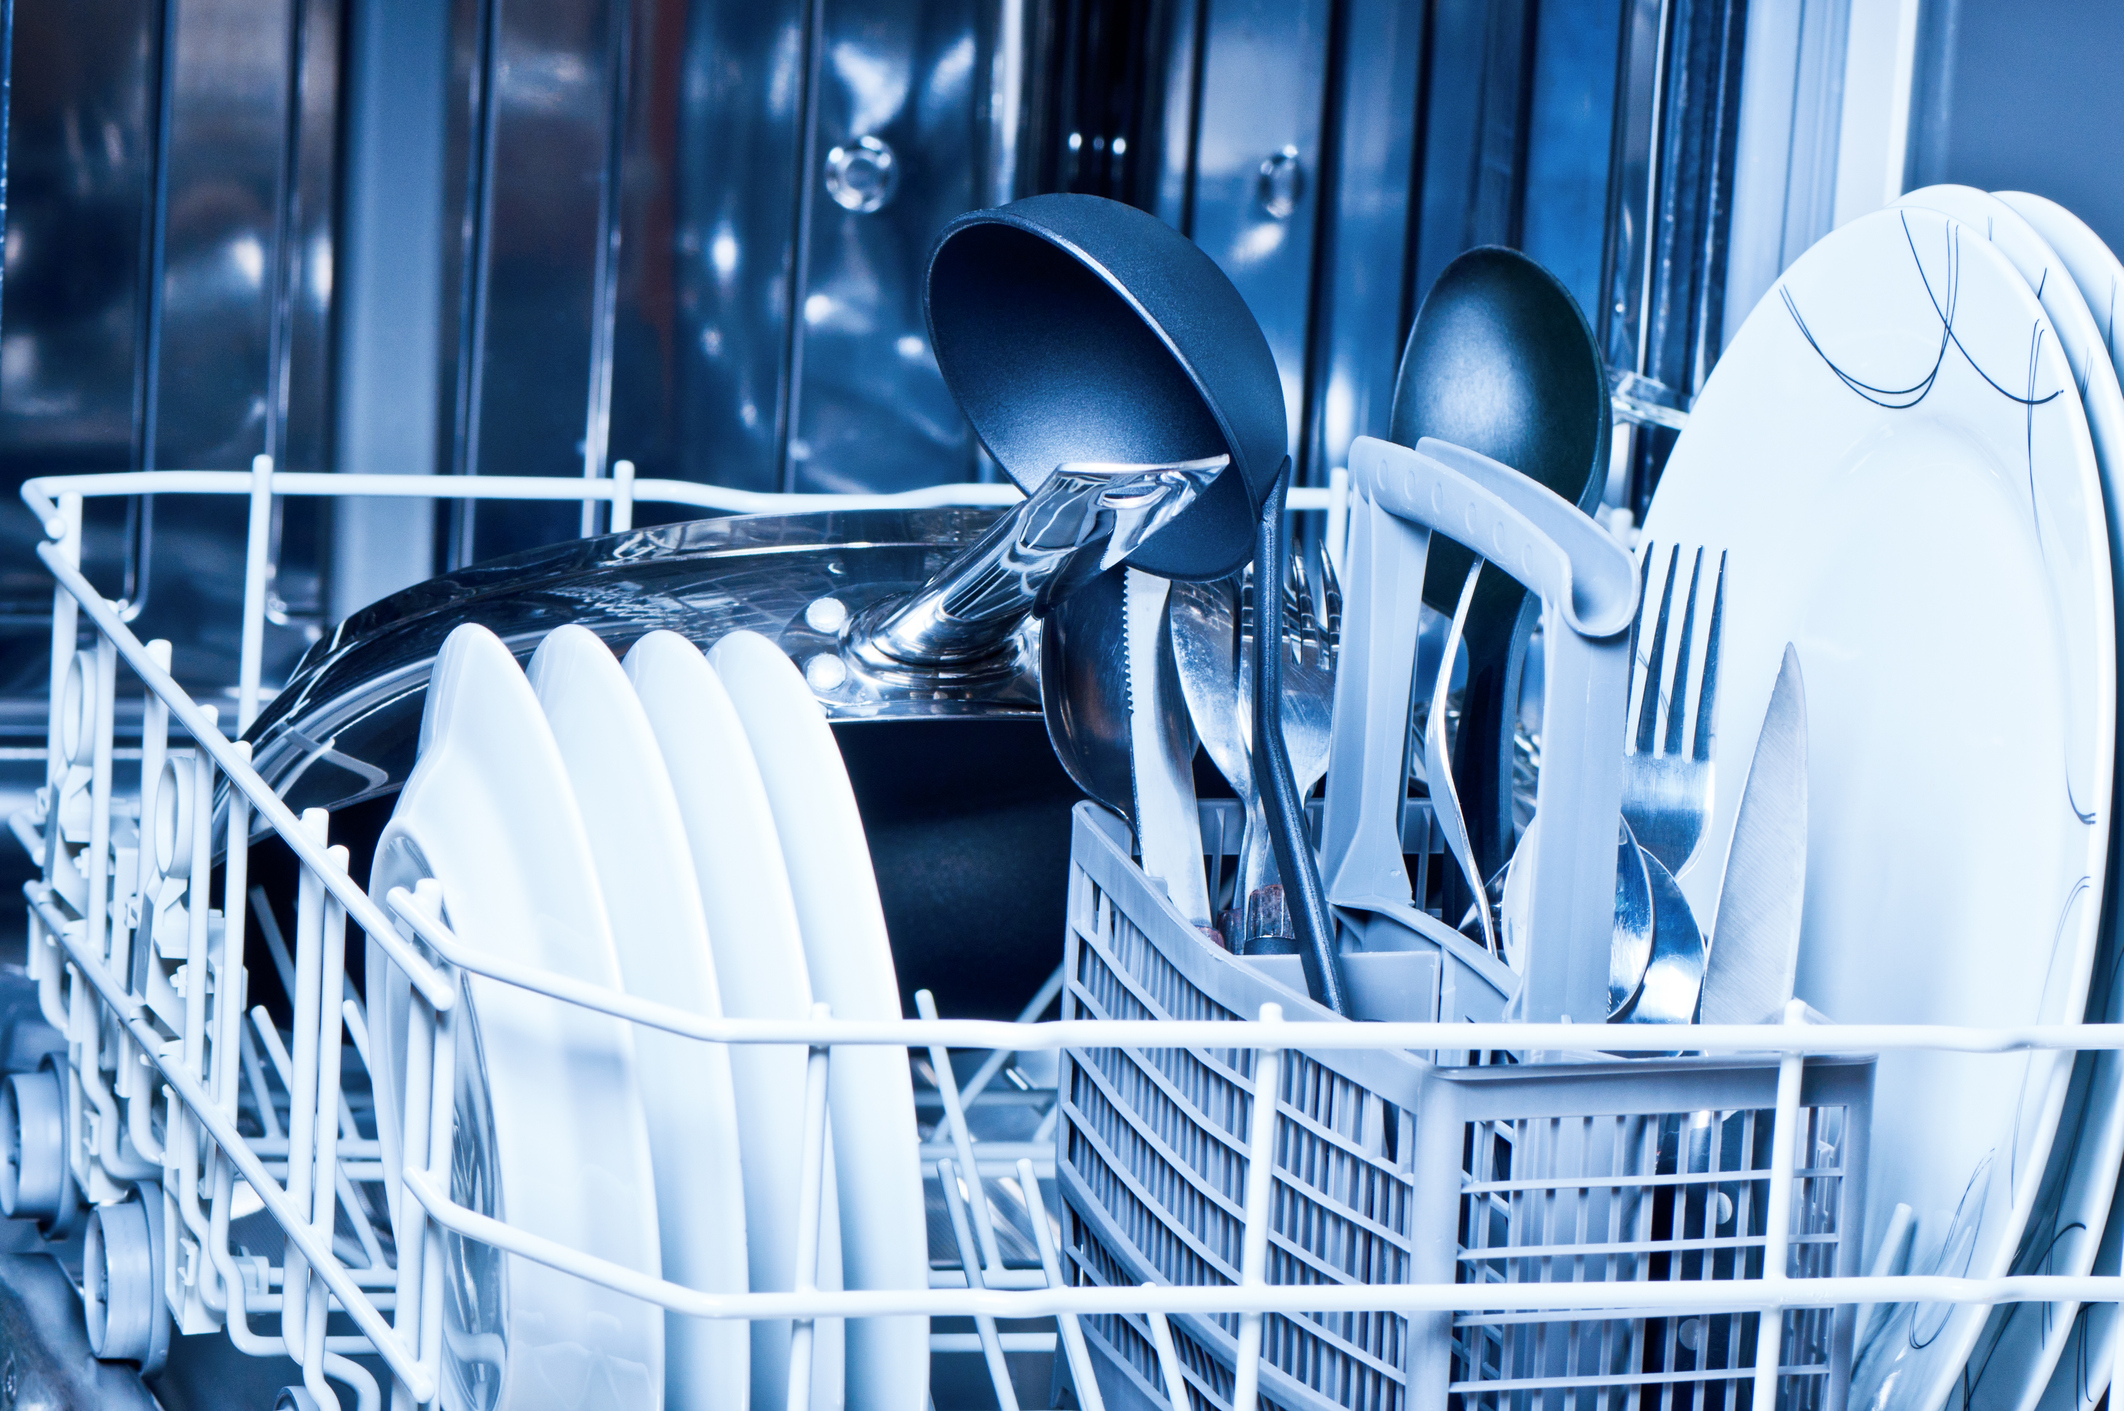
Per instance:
{"type": "Point", "coordinates": [1161, 740]}
{"type": "Point", "coordinates": [1754, 957]}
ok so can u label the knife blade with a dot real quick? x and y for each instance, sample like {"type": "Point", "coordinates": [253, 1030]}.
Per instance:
{"type": "Point", "coordinates": [1161, 751]}
{"type": "Point", "coordinates": [1754, 956]}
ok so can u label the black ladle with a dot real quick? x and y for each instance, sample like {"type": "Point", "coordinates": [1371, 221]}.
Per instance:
{"type": "Point", "coordinates": [1071, 328]}
{"type": "Point", "coordinates": [1501, 360]}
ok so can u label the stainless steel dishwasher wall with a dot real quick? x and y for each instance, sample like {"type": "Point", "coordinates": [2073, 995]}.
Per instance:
{"type": "Point", "coordinates": [540, 236]}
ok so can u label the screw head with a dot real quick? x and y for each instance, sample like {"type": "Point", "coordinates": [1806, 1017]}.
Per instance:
{"type": "Point", "coordinates": [826, 616]}
{"type": "Point", "coordinates": [825, 672]}
{"type": "Point", "coordinates": [862, 175]}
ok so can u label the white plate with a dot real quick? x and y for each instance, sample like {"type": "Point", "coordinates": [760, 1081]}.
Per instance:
{"type": "Point", "coordinates": [1892, 453]}
{"type": "Point", "coordinates": [884, 1230]}
{"type": "Point", "coordinates": [2081, 1372]}
{"type": "Point", "coordinates": [550, 1127]}
{"type": "Point", "coordinates": [2021, 1341]}
{"type": "Point", "coordinates": [759, 967]}
{"type": "Point", "coordinates": [645, 871]}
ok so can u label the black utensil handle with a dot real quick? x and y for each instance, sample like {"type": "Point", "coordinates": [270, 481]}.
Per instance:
{"type": "Point", "coordinates": [1300, 871]}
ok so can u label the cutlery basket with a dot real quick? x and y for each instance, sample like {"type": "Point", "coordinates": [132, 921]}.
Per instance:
{"type": "Point", "coordinates": [1395, 1169]}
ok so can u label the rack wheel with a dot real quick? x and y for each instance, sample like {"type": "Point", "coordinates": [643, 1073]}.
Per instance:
{"type": "Point", "coordinates": [33, 1174]}
{"type": "Point", "coordinates": [35, 1180]}
{"type": "Point", "coordinates": [295, 1399]}
{"type": "Point", "coordinates": [121, 1284]}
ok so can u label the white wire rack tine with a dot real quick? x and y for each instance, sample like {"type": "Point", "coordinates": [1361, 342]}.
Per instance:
{"type": "Point", "coordinates": [622, 518]}
{"type": "Point", "coordinates": [811, 1214]}
{"type": "Point", "coordinates": [331, 1100]}
{"type": "Point", "coordinates": [313, 1347]}
{"type": "Point", "coordinates": [256, 556]}
{"type": "Point", "coordinates": [1168, 1358]}
{"type": "Point", "coordinates": [64, 528]}
{"type": "Point", "coordinates": [365, 1232]}
{"type": "Point", "coordinates": [408, 1230]}
{"type": "Point", "coordinates": [195, 991]}
{"type": "Point", "coordinates": [993, 1064]}
{"type": "Point", "coordinates": [1777, 1218]}
{"type": "Point", "coordinates": [955, 1114]}
{"type": "Point", "coordinates": [1260, 1174]}
{"type": "Point", "coordinates": [991, 1344]}
{"type": "Point", "coordinates": [99, 857]}
{"type": "Point", "coordinates": [1081, 1374]}
{"type": "Point", "coordinates": [442, 1113]}
{"type": "Point", "coordinates": [275, 1050]}
{"type": "Point", "coordinates": [302, 1077]}
{"type": "Point", "coordinates": [269, 1118]}
{"type": "Point", "coordinates": [228, 979]}
{"type": "Point", "coordinates": [357, 1028]}
{"type": "Point", "coordinates": [276, 943]}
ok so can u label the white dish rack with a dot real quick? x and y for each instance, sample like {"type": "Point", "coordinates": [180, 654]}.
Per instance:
{"type": "Point", "coordinates": [179, 1113]}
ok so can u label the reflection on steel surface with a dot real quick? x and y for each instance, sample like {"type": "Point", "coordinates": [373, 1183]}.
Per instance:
{"type": "Point", "coordinates": [359, 693]}
{"type": "Point", "coordinates": [1082, 520]}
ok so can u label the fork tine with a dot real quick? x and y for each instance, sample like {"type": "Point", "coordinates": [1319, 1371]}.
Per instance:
{"type": "Point", "coordinates": [1678, 708]}
{"type": "Point", "coordinates": [1300, 601]}
{"type": "Point", "coordinates": [1655, 664]}
{"type": "Point", "coordinates": [1704, 697]}
{"type": "Point", "coordinates": [1331, 597]}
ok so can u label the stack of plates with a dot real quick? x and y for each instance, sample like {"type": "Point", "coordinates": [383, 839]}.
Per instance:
{"type": "Point", "coordinates": [1913, 453]}
{"type": "Point", "coordinates": [680, 827]}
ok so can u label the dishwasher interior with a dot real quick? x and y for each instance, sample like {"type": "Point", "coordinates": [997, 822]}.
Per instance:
{"type": "Point", "coordinates": [630, 303]}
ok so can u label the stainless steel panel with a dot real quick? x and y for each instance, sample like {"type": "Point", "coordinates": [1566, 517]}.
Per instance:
{"type": "Point", "coordinates": [647, 318]}
{"type": "Point", "coordinates": [543, 219]}
{"type": "Point", "coordinates": [1639, 90]}
{"type": "Point", "coordinates": [1670, 209]}
{"type": "Point", "coordinates": [1181, 78]}
{"type": "Point", "coordinates": [1365, 286]}
{"type": "Point", "coordinates": [899, 150]}
{"type": "Point", "coordinates": [1257, 166]}
{"type": "Point", "coordinates": [1570, 139]}
{"type": "Point", "coordinates": [1792, 98]}
{"type": "Point", "coordinates": [739, 146]}
{"type": "Point", "coordinates": [80, 174]}
{"type": "Point", "coordinates": [240, 282]}
{"type": "Point", "coordinates": [389, 289]}
{"type": "Point", "coordinates": [1474, 124]}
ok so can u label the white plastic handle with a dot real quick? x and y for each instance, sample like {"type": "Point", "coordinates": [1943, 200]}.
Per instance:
{"type": "Point", "coordinates": [1588, 587]}
{"type": "Point", "coordinates": [1515, 522]}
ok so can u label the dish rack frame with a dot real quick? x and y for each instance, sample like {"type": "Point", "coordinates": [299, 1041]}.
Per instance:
{"type": "Point", "coordinates": [135, 965]}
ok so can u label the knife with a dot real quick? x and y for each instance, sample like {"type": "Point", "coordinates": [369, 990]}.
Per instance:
{"type": "Point", "coordinates": [1754, 957]}
{"type": "Point", "coordinates": [1161, 740]}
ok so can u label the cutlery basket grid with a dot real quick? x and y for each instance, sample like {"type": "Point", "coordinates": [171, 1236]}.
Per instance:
{"type": "Point", "coordinates": [1392, 1170]}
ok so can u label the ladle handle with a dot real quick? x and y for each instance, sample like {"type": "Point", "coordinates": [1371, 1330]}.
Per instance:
{"type": "Point", "coordinates": [1300, 870]}
{"type": "Point", "coordinates": [1589, 594]}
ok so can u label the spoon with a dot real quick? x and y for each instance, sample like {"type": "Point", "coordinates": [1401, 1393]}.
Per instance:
{"type": "Point", "coordinates": [1438, 773]}
{"type": "Point", "coordinates": [1674, 977]}
{"type": "Point", "coordinates": [1500, 360]}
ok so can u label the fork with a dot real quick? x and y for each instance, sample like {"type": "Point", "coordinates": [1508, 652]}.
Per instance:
{"type": "Point", "coordinates": [1213, 635]}
{"type": "Point", "coordinates": [1668, 779]}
